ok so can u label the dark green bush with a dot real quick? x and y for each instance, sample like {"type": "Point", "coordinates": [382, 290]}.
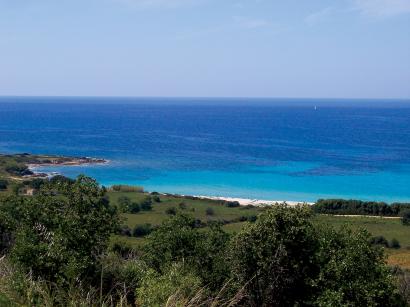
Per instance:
{"type": "Point", "coordinates": [3, 184]}
{"type": "Point", "coordinates": [232, 204]}
{"type": "Point", "coordinates": [142, 230]}
{"type": "Point", "coordinates": [406, 218]}
{"type": "Point", "coordinates": [171, 211]}
{"type": "Point", "coordinates": [210, 212]}
{"type": "Point", "coordinates": [146, 204]}
{"type": "Point", "coordinates": [394, 243]}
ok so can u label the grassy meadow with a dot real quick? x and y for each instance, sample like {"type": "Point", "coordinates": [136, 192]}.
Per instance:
{"type": "Point", "coordinates": [377, 226]}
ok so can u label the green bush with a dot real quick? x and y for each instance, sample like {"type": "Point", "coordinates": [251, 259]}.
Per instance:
{"type": "Point", "coordinates": [406, 218]}
{"type": "Point", "coordinates": [284, 260]}
{"type": "Point", "coordinates": [232, 204]}
{"type": "Point", "coordinates": [127, 188]}
{"type": "Point", "coordinates": [210, 212]}
{"type": "Point", "coordinates": [3, 184]}
{"type": "Point", "coordinates": [134, 208]}
{"type": "Point", "coordinates": [175, 284]}
{"type": "Point", "coordinates": [171, 211]}
{"type": "Point", "coordinates": [60, 232]}
{"type": "Point", "coordinates": [142, 230]}
{"type": "Point", "coordinates": [394, 243]}
{"type": "Point", "coordinates": [146, 204]}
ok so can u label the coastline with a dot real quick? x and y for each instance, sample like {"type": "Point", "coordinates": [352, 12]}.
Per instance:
{"type": "Point", "coordinates": [256, 202]}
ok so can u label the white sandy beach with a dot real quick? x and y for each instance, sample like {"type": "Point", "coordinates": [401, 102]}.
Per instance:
{"type": "Point", "coordinates": [256, 202]}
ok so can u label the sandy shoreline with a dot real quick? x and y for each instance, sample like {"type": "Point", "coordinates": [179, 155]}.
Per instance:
{"type": "Point", "coordinates": [257, 202]}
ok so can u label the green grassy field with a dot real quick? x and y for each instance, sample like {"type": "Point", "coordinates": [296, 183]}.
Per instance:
{"type": "Point", "coordinates": [389, 228]}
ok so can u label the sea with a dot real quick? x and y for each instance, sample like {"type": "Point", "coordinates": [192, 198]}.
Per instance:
{"type": "Point", "coordinates": [273, 149]}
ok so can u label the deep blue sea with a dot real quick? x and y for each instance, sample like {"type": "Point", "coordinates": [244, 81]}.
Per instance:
{"type": "Point", "coordinates": [279, 149]}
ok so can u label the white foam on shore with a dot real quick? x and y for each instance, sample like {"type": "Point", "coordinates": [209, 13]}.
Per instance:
{"type": "Point", "coordinates": [257, 202]}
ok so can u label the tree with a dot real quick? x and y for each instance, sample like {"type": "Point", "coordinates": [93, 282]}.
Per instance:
{"type": "Point", "coordinates": [124, 203]}
{"type": "Point", "coordinates": [60, 232]}
{"type": "Point", "coordinates": [406, 218]}
{"type": "Point", "coordinates": [134, 208]}
{"type": "Point", "coordinates": [284, 260]}
{"type": "Point", "coordinates": [146, 204]}
{"type": "Point", "coordinates": [352, 271]}
{"type": "Point", "coordinates": [275, 256]}
{"type": "Point", "coordinates": [179, 240]}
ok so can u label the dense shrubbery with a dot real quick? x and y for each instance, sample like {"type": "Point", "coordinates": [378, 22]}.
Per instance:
{"type": "Point", "coordinates": [232, 204]}
{"type": "Point", "coordinates": [342, 206]}
{"type": "Point", "coordinates": [3, 184]}
{"type": "Point", "coordinates": [382, 241]}
{"type": "Point", "coordinates": [56, 253]}
{"type": "Point", "coordinates": [406, 218]}
{"type": "Point", "coordinates": [18, 169]}
{"type": "Point", "coordinates": [127, 188]}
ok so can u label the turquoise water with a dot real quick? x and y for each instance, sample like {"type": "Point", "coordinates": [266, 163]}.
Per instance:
{"type": "Point", "coordinates": [266, 149]}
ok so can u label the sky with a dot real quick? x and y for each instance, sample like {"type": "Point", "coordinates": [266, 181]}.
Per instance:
{"type": "Point", "coordinates": [206, 48]}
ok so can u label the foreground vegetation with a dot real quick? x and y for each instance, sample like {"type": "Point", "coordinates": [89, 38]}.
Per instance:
{"type": "Point", "coordinates": [64, 246]}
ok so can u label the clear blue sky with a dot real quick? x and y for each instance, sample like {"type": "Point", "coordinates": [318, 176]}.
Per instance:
{"type": "Point", "coordinates": [258, 48]}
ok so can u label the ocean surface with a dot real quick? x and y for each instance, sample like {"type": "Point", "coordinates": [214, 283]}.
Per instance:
{"type": "Point", "coordinates": [278, 149]}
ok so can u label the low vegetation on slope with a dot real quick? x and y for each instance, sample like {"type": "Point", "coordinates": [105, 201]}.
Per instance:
{"type": "Point", "coordinates": [56, 250]}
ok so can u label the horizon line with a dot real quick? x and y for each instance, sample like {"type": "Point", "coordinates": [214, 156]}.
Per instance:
{"type": "Point", "coordinates": [200, 97]}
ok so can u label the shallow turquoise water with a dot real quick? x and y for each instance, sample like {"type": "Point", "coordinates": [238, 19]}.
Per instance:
{"type": "Point", "coordinates": [266, 149]}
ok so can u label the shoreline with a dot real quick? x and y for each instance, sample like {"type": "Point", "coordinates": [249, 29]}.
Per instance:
{"type": "Point", "coordinates": [256, 202]}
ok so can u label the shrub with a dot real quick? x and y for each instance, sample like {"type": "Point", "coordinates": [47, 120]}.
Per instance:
{"type": "Point", "coordinates": [156, 198]}
{"type": "Point", "coordinates": [177, 283]}
{"type": "Point", "coordinates": [125, 231]}
{"type": "Point", "coordinates": [406, 218]}
{"type": "Point", "coordinates": [379, 240]}
{"type": "Point", "coordinates": [182, 206]}
{"type": "Point", "coordinates": [394, 243]}
{"type": "Point", "coordinates": [60, 179]}
{"type": "Point", "coordinates": [142, 230]}
{"type": "Point", "coordinates": [210, 211]}
{"type": "Point", "coordinates": [60, 232]}
{"type": "Point", "coordinates": [127, 188]}
{"type": "Point", "coordinates": [232, 204]}
{"type": "Point", "coordinates": [37, 183]}
{"type": "Point", "coordinates": [3, 184]}
{"type": "Point", "coordinates": [146, 204]}
{"type": "Point", "coordinates": [171, 211]}
{"type": "Point", "coordinates": [124, 203]}
{"type": "Point", "coordinates": [134, 208]}
{"type": "Point", "coordinates": [286, 260]}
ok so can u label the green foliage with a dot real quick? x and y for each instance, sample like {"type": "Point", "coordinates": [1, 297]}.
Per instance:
{"type": "Point", "coordinates": [210, 211]}
{"type": "Point", "coordinates": [156, 198]}
{"type": "Point", "coordinates": [406, 218]}
{"type": "Point", "coordinates": [3, 184]}
{"type": "Point", "coordinates": [352, 271]}
{"type": "Point", "coordinates": [142, 230]}
{"type": "Point", "coordinates": [275, 257]}
{"type": "Point", "coordinates": [232, 204]}
{"type": "Point", "coordinates": [127, 188]}
{"type": "Point", "coordinates": [394, 244]}
{"type": "Point", "coordinates": [286, 260]}
{"type": "Point", "coordinates": [146, 204]}
{"type": "Point", "coordinates": [60, 232]}
{"type": "Point", "coordinates": [179, 240]}
{"type": "Point", "coordinates": [178, 282]}
{"type": "Point", "coordinates": [124, 203]}
{"type": "Point", "coordinates": [171, 211]}
{"type": "Point", "coordinates": [134, 207]}
{"type": "Point", "coordinates": [342, 206]}
{"type": "Point", "coordinates": [17, 169]}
